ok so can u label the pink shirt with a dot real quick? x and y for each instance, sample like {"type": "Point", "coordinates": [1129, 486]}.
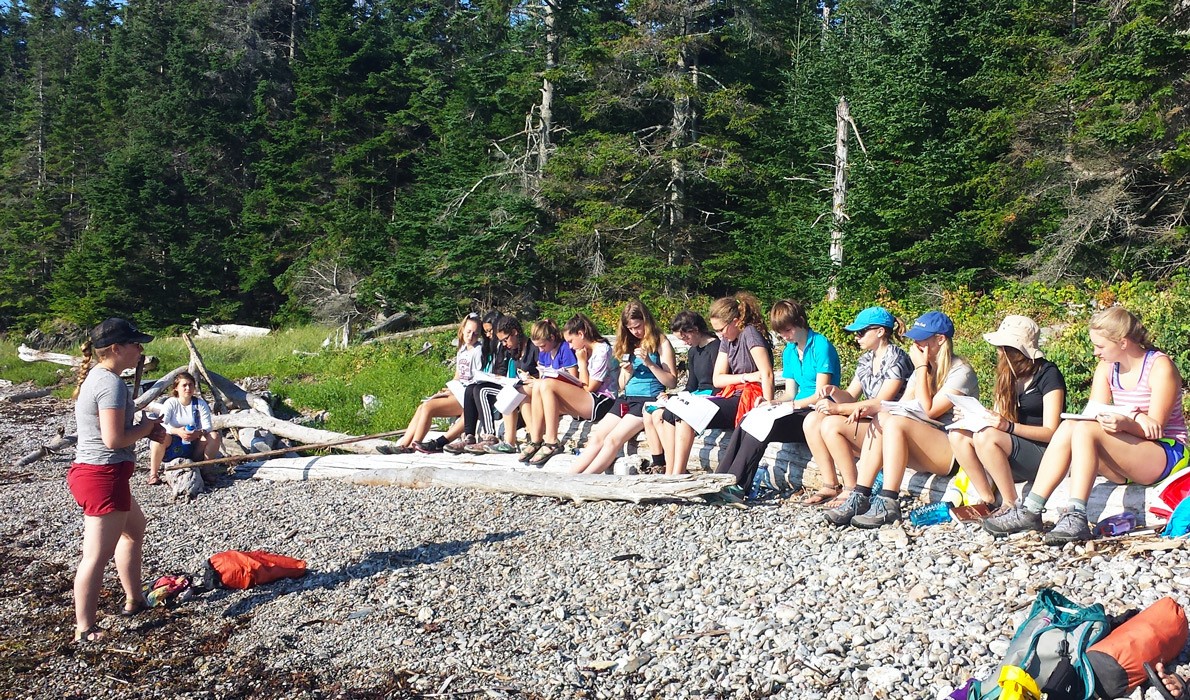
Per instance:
{"type": "Point", "coordinates": [1141, 395]}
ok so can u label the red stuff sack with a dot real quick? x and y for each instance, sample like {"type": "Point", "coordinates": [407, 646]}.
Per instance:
{"type": "Point", "coordinates": [1157, 633]}
{"type": "Point", "coordinates": [248, 569]}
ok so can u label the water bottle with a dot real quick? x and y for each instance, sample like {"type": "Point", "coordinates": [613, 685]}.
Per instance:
{"type": "Point", "coordinates": [188, 427]}
{"type": "Point", "coordinates": [878, 484]}
{"type": "Point", "coordinates": [759, 483]}
{"type": "Point", "coordinates": [1017, 684]}
{"type": "Point", "coordinates": [932, 514]}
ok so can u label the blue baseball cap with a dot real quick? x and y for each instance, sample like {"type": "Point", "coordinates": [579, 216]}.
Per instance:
{"type": "Point", "coordinates": [930, 323]}
{"type": "Point", "coordinates": [871, 316]}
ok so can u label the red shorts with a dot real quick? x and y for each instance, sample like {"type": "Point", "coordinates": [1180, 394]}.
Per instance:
{"type": "Point", "coordinates": [101, 488]}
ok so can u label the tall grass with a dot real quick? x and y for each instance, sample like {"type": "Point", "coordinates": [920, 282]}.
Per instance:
{"type": "Point", "coordinates": [301, 373]}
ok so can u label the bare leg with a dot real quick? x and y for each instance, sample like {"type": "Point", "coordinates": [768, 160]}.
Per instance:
{"type": "Point", "coordinates": [683, 442]}
{"type": "Point", "coordinates": [100, 537]}
{"type": "Point", "coordinates": [1117, 456]}
{"type": "Point", "coordinates": [623, 430]}
{"type": "Point", "coordinates": [653, 432]}
{"type": "Point", "coordinates": [129, 555]}
{"type": "Point", "coordinates": [911, 443]}
{"type": "Point", "coordinates": [156, 455]}
{"type": "Point", "coordinates": [418, 426]}
{"type": "Point", "coordinates": [962, 444]}
{"type": "Point", "coordinates": [210, 445]}
{"type": "Point", "coordinates": [993, 448]}
{"type": "Point", "coordinates": [601, 430]}
{"type": "Point", "coordinates": [845, 441]}
{"type": "Point", "coordinates": [812, 427]}
{"type": "Point", "coordinates": [871, 456]}
{"type": "Point", "coordinates": [559, 398]}
{"type": "Point", "coordinates": [667, 433]}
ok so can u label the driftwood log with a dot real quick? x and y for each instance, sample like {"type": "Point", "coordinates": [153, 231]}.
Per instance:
{"type": "Point", "coordinates": [410, 334]}
{"type": "Point", "coordinates": [396, 322]}
{"type": "Point", "coordinates": [158, 387]}
{"type": "Point", "coordinates": [26, 395]}
{"type": "Point", "coordinates": [197, 365]}
{"type": "Point", "coordinates": [293, 431]}
{"type": "Point", "coordinates": [389, 471]}
{"type": "Point", "coordinates": [58, 445]}
{"type": "Point", "coordinates": [228, 330]}
{"type": "Point", "coordinates": [28, 354]}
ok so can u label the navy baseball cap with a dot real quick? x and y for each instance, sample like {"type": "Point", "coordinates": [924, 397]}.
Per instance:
{"type": "Point", "coordinates": [930, 323]}
{"type": "Point", "coordinates": [116, 330]}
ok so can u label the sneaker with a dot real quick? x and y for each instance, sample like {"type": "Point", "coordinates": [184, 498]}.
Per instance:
{"type": "Point", "coordinates": [500, 448]}
{"type": "Point", "coordinates": [458, 446]}
{"type": "Point", "coordinates": [1011, 519]}
{"type": "Point", "coordinates": [883, 511]}
{"type": "Point", "coordinates": [427, 447]}
{"type": "Point", "coordinates": [855, 504]}
{"type": "Point", "coordinates": [481, 447]}
{"type": "Point", "coordinates": [1071, 527]}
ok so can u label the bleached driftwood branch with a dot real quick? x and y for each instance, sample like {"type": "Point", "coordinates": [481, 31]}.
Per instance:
{"type": "Point", "coordinates": [391, 471]}
{"type": "Point", "coordinates": [229, 330]}
{"type": "Point", "coordinates": [293, 431]}
{"type": "Point", "coordinates": [410, 334]}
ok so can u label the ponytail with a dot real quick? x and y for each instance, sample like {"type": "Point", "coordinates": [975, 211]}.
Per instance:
{"type": "Point", "coordinates": [84, 368]}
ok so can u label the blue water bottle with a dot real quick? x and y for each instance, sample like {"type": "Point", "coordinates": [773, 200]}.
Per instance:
{"type": "Point", "coordinates": [184, 440]}
{"type": "Point", "coordinates": [932, 514]}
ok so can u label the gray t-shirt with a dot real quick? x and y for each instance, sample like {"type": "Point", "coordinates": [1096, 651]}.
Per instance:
{"type": "Point", "coordinates": [739, 351]}
{"type": "Point", "coordinates": [101, 389]}
{"type": "Point", "coordinates": [960, 379]}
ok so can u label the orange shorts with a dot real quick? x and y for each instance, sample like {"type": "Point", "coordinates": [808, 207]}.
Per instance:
{"type": "Point", "coordinates": [101, 488]}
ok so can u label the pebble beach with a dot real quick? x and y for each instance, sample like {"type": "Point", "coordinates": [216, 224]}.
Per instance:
{"type": "Point", "coordinates": [452, 593]}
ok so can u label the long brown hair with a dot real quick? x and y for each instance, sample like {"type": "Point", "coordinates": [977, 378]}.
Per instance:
{"type": "Point", "coordinates": [625, 341]}
{"type": "Point", "coordinates": [1011, 365]}
{"type": "Point", "coordinates": [90, 355]}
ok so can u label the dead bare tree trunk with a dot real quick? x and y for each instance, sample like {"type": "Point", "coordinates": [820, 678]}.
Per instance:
{"type": "Point", "coordinates": [546, 114]}
{"type": "Point", "coordinates": [843, 120]}
{"type": "Point", "coordinates": [200, 366]}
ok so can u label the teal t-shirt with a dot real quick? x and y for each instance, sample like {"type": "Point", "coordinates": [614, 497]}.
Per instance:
{"type": "Point", "coordinates": [819, 357]}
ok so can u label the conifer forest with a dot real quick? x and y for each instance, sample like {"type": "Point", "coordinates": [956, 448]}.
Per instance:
{"type": "Point", "coordinates": [260, 161]}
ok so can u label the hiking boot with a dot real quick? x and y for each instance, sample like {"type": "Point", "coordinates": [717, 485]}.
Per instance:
{"type": "Point", "coordinates": [481, 447]}
{"type": "Point", "coordinates": [500, 448]}
{"type": "Point", "coordinates": [459, 446]}
{"type": "Point", "coordinates": [883, 511]}
{"type": "Point", "coordinates": [427, 447]}
{"type": "Point", "coordinates": [855, 504]}
{"type": "Point", "coordinates": [1071, 527]}
{"type": "Point", "coordinates": [1011, 519]}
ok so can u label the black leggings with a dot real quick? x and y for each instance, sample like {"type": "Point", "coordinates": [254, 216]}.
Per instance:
{"type": "Point", "coordinates": [745, 450]}
{"type": "Point", "coordinates": [479, 408]}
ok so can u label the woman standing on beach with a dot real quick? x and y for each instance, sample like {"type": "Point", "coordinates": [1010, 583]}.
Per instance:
{"type": "Point", "coordinates": [113, 524]}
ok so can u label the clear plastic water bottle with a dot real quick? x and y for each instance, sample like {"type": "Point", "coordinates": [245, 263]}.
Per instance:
{"type": "Point", "coordinates": [932, 514]}
{"type": "Point", "coordinates": [188, 428]}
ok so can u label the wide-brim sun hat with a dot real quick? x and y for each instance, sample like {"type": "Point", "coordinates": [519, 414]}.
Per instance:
{"type": "Point", "coordinates": [930, 323]}
{"type": "Point", "coordinates": [1020, 332]}
{"type": "Point", "coordinates": [115, 331]}
{"type": "Point", "coordinates": [871, 316]}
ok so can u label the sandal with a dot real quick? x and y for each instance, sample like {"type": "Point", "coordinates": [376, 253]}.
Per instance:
{"type": "Point", "coordinates": [544, 453]}
{"type": "Point", "coordinates": [92, 634]}
{"type": "Point", "coordinates": [156, 481]}
{"type": "Point", "coordinates": [528, 451]}
{"type": "Point", "coordinates": [826, 494]}
{"type": "Point", "coordinates": [137, 608]}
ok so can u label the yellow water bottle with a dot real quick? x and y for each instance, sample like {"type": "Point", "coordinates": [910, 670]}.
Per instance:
{"type": "Point", "coordinates": [1017, 684]}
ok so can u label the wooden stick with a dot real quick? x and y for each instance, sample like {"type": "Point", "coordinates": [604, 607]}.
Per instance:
{"type": "Point", "coordinates": [140, 370]}
{"type": "Point", "coordinates": [196, 359]}
{"type": "Point", "coordinates": [276, 453]}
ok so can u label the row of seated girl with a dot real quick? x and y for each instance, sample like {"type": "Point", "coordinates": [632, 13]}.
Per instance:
{"type": "Point", "coordinates": [852, 440]}
{"type": "Point", "coordinates": [1023, 439]}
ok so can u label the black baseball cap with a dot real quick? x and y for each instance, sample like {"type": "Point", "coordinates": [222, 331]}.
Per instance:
{"type": "Point", "coordinates": [116, 330]}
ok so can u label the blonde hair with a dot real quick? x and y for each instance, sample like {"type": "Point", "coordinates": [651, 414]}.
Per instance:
{"type": "Point", "coordinates": [742, 307]}
{"type": "Point", "coordinates": [625, 341]}
{"type": "Point", "coordinates": [479, 335]}
{"type": "Point", "coordinates": [1011, 365]}
{"type": "Point", "coordinates": [1118, 323]}
{"type": "Point", "coordinates": [90, 355]}
{"type": "Point", "coordinates": [943, 361]}
{"type": "Point", "coordinates": [545, 329]}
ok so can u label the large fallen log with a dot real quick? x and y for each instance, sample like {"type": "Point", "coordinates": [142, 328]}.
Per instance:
{"type": "Point", "coordinates": [410, 334]}
{"type": "Point", "coordinates": [28, 354]}
{"type": "Point", "coordinates": [59, 445]}
{"type": "Point", "coordinates": [158, 387]}
{"type": "Point", "coordinates": [293, 431]}
{"type": "Point", "coordinates": [397, 322]}
{"type": "Point", "coordinates": [531, 482]}
{"type": "Point", "coordinates": [197, 365]}
{"type": "Point", "coordinates": [26, 395]}
{"type": "Point", "coordinates": [229, 330]}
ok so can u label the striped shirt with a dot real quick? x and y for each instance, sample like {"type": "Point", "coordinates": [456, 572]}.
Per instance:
{"type": "Point", "coordinates": [1140, 396]}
